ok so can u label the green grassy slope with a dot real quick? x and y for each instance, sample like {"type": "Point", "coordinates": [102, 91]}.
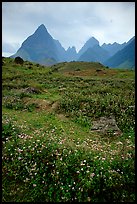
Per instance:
{"type": "Point", "coordinates": [49, 151]}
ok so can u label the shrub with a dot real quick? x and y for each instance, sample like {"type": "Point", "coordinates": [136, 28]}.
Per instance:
{"type": "Point", "coordinates": [37, 65]}
{"type": "Point", "coordinates": [19, 60]}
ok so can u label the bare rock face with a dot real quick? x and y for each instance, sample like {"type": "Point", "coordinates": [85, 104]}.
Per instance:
{"type": "Point", "coordinates": [106, 125]}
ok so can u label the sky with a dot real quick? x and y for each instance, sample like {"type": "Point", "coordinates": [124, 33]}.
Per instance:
{"type": "Point", "coordinates": [72, 23]}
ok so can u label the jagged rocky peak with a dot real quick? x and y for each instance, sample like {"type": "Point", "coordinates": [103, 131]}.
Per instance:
{"type": "Point", "coordinates": [41, 30]}
{"type": "Point", "coordinates": [41, 27]}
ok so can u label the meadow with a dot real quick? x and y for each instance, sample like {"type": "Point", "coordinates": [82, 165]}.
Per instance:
{"type": "Point", "coordinates": [50, 150]}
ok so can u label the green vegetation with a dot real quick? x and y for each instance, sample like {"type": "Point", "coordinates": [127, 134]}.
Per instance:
{"type": "Point", "coordinates": [50, 153]}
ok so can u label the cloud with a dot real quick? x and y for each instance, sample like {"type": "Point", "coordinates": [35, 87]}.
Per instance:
{"type": "Point", "coordinates": [7, 47]}
{"type": "Point", "coordinates": [72, 23]}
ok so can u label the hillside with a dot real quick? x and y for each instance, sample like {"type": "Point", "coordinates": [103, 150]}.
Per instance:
{"type": "Point", "coordinates": [123, 58]}
{"type": "Point", "coordinates": [67, 133]}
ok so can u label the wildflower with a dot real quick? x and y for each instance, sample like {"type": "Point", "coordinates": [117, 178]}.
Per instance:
{"type": "Point", "coordinates": [19, 158]}
{"type": "Point", "coordinates": [89, 199]}
{"type": "Point", "coordinates": [34, 185]}
{"type": "Point", "coordinates": [77, 172]}
{"type": "Point", "coordinates": [20, 150]}
{"type": "Point", "coordinates": [129, 136]}
{"type": "Point", "coordinates": [92, 175]}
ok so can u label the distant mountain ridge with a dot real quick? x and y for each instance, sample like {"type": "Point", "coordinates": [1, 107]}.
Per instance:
{"type": "Point", "coordinates": [94, 54]}
{"type": "Point", "coordinates": [40, 47]}
{"type": "Point", "coordinates": [113, 48]}
{"type": "Point", "coordinates": [89, 44]}
{"type": "Point", "coordinates": [123, 58]}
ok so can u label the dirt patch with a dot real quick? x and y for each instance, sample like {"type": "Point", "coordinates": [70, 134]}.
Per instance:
{"type": "Point", "coordinates": [106, 125]}
{"type": "Point", "coordinates": [62, 117]}
{"type": "Point", "coordinates": [55, 105]}
{"type": "Point", "coordinates": [42, 104]}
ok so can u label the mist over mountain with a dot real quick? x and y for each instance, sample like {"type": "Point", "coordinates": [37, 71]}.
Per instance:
{"type": "Point", "coordinates": [42, 48]}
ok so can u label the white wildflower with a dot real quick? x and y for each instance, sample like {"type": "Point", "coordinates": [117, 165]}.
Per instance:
{"type": "Point", "coordinates": [92, 175]}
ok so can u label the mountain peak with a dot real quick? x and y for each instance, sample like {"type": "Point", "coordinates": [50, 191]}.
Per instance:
{"type": "Point", "coordinates": [93, 40]}
{"type": "Point", "coordinates": [41, 29]}
{"type": "Point", "coordinates": [42, 25]}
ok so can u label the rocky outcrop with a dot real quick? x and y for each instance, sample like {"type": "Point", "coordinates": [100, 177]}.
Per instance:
{"type": "Point", "coordinates": [106, 125]}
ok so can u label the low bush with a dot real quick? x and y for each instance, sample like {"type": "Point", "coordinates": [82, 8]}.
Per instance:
{"type": "Point", "coordinates": [19, 60]}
